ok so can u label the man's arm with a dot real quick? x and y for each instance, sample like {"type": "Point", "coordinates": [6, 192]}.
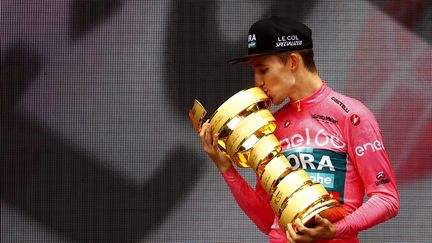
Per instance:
{"type": "Point", "coordinates": [253, 203]}
{"type": "Point", "coordinates": [372, 164]}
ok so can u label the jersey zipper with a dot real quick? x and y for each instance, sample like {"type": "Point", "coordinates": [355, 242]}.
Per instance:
{"type": "Point", "coordinates": [298, 106]}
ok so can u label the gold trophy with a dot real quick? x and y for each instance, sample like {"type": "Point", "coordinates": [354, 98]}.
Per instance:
{"type": "Point", "coordinates": [245, 127]}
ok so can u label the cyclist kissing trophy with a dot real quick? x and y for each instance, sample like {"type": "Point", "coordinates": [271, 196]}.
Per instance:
{"type": "Point", "coordinates": [245, 127]}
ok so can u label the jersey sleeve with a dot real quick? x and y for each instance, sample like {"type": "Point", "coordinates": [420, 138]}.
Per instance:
{"type": "Point", "coordinates": [255, 203]}
{"type": "Point", "coordinates": [370, 159]}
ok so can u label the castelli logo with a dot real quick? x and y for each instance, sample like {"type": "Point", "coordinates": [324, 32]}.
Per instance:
{"type": "Point", "coordinates": [355, 119]}
{"type": "Point", "coordinates": [381, 179]}
{"type": "Point", "coordinates": [380, 175]}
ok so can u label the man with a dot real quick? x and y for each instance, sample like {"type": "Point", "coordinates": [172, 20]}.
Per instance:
{"type": "Point", "coordinates": [336, 139]}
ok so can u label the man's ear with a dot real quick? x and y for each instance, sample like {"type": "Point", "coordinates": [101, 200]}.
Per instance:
{"type": "Point", "coordinates": [294, 60]}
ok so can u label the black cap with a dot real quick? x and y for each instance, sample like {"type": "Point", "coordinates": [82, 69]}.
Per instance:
{"type": "Point", "coordinates": [276, 34]}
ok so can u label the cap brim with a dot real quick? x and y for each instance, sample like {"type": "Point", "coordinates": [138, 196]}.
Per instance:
{"type": "Point", "coordinates": [248, 58]}
{"type": "Point", "coordinates": [244, 59]}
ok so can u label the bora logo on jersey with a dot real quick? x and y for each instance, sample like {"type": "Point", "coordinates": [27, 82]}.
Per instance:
{"type": "Point", "coordinates": [323, 166]}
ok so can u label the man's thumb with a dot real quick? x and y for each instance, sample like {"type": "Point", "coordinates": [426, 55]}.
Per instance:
{"type": "Point", "coordinates": [319, 219]}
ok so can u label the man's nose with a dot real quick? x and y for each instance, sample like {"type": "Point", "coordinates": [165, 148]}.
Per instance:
{"type": "Point", "coordinates": [258, 81]}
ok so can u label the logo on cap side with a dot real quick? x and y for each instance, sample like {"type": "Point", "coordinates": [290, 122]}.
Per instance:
{"type": "Point", "coordinates": [288, 40]}
{"type": "Point", "coordinates": [252, 41]}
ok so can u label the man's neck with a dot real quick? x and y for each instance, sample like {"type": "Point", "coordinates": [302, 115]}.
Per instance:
{"type": "Point", "coordinates": [307, 83]}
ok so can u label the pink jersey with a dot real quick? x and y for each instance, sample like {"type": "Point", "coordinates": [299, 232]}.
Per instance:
{"type": "Point", "coordinates": [336, 139]}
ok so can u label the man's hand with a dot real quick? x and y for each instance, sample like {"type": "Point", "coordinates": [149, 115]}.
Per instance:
{"type": "Point", "coordinates": [210, 144]}
{"type": "Point", "coordinates": [324, 230]}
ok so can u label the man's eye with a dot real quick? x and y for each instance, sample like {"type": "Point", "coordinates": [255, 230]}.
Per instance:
{"type": "Point", "coordinates": [262, 71]}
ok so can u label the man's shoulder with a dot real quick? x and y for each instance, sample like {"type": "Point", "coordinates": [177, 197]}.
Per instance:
{"type": "Point", "coordinates": [346, 105]}
{"type": "Point", "coordinates": [350, 110]}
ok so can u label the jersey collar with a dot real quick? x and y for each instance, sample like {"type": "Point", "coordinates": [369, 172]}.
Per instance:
{"type": "Point", "coordinates": [311, 100]}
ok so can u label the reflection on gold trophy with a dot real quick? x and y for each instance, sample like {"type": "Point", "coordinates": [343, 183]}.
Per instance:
{"type": "Point", "coordinates": [245, 127]}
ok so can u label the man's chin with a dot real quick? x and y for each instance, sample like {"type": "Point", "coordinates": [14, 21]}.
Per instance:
{"type": "Point", "coordinates": [275, 102]}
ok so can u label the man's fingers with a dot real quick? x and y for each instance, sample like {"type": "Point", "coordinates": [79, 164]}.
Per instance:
{"type": "Point", "coordinates": [215, 141]}
{"type": "Point", "coordinates": [202, 131]}
{"type": "Point", "coordinates": [205, 134]}
{"type": "Point", "coordinates": [294, 236]}
{"type": "Point", "coordinates": [290, 233]}
{"type": "Point", "coordinates": [208, 133]}
{"type": "Point", "coordinates": [320, 220]}
{"type": "Point", "coordinates": [209, 140]}
{"type": "Point", "coordinates": [301, 233]}
{"type": "Point", "coordinates": [299, 226]}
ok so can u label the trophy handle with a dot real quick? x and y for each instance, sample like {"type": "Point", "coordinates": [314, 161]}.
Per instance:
{"type": "Point", "coordinates": [197, 114]}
